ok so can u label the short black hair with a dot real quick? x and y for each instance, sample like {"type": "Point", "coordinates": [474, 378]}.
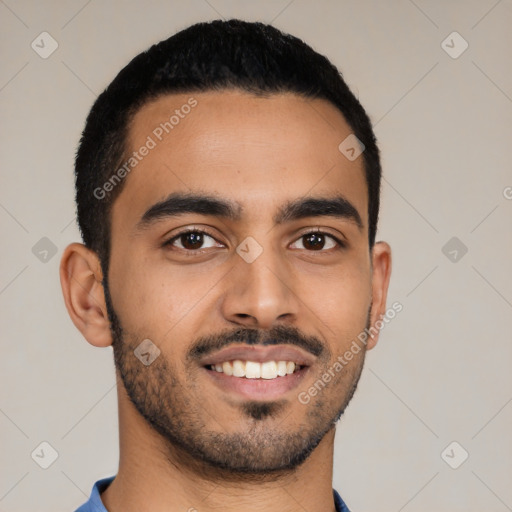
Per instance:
{"type": "Point", "coordinates": [215, 56]}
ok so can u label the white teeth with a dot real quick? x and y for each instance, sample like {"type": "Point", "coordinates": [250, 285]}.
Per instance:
{"type": "Point", "coordinates": [281, 368]}
{"type": "Point", "coordinates": [227, 368]}
{"type": "Point", "coordinates": [238, 368]}
{"type": "Point", "coordinates": [269, 370]}
{"type": "Point", "coordinates": [254, 370]}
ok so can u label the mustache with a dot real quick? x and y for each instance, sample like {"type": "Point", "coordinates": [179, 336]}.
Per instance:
{"type": "Point", "coordinates": [278, 335]}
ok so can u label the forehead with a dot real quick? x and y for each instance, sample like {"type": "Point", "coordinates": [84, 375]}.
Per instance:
{"type": "Point", "coordinates": [256, 151]}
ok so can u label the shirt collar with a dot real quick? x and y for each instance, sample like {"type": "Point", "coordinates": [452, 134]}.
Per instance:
{"type": "Point", "coordinates": [94, 504]}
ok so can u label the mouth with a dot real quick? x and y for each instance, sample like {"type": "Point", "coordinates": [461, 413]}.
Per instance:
{"type": "Point", "coordinates": [256, 370]}
{"type": "Point", "coordinates": [256, 380]}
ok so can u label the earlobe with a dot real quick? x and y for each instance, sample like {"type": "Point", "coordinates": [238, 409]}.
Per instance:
{"type": "Point", "coordinates": [381, 261]}
{"type": "Point", "coordinates": [81, 281]}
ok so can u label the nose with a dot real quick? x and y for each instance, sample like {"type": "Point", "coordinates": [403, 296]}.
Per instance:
{"type": "Point", "coordinates": [260, 294]}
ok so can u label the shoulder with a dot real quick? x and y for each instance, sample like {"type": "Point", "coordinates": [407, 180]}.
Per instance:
{"type": "Point", "coordinates": [94, 503]}
{"type": "Point", "coordinates": [339, 503]}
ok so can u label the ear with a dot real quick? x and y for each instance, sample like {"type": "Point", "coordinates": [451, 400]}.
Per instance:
{"type": "Point", "coordinates": [81, 279]}
{"type": "Point", "coordinates": [381, 272]}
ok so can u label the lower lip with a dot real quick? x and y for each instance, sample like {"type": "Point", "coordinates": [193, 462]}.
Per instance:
{"type": "Point", "coordinates": [258, 389]}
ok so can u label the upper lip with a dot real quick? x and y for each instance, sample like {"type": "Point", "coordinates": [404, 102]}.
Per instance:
{"type": "Point", "coordinates": [260, 354]}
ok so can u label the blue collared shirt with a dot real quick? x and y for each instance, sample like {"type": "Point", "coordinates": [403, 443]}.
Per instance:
{"type": "Point", "coordinates": [94, 504]}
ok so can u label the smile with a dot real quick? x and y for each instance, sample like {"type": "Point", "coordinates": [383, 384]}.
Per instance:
{"type": "Point", "coordinates": [256, 370]}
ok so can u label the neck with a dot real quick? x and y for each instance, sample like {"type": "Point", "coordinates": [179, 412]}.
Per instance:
{"type": "Point", "coordinates": [156, 476]}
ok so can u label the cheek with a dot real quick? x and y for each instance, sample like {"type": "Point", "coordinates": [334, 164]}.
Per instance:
{"type": "Point", "coordinates": [158, 301]}
{"type": "Point", "coordinates": [135, 291]}
{"type": "Point", "coordinates": [339, 298]}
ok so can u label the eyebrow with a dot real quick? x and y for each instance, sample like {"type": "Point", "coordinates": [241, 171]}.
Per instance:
{"type": "Point", "coordinates": [181, 203]}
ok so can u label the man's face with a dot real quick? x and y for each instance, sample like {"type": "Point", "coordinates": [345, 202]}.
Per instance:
{"type": "Point", "coordinates": [247, 283]}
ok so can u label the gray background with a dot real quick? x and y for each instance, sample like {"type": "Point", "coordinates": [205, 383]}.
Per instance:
{"type": "Point", "coordinates": [441, 371]}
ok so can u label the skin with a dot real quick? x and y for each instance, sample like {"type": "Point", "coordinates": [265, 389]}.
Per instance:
{"type": "Point", "coordinates": [184, 443]}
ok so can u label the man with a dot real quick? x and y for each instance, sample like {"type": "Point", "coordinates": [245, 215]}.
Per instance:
{"type": "Point", "coordinates": [228, 194]}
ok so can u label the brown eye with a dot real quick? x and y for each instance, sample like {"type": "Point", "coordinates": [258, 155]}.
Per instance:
{"type": "Point", "coordinates": [193, 240]}
{"type": "Point", "coordinates": [317, 241]}
{"type": "Point", "coordinates": [314, 241]}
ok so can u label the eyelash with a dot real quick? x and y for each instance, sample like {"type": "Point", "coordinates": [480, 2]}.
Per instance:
{"type": "Point", "coordinates": [192, 252]}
